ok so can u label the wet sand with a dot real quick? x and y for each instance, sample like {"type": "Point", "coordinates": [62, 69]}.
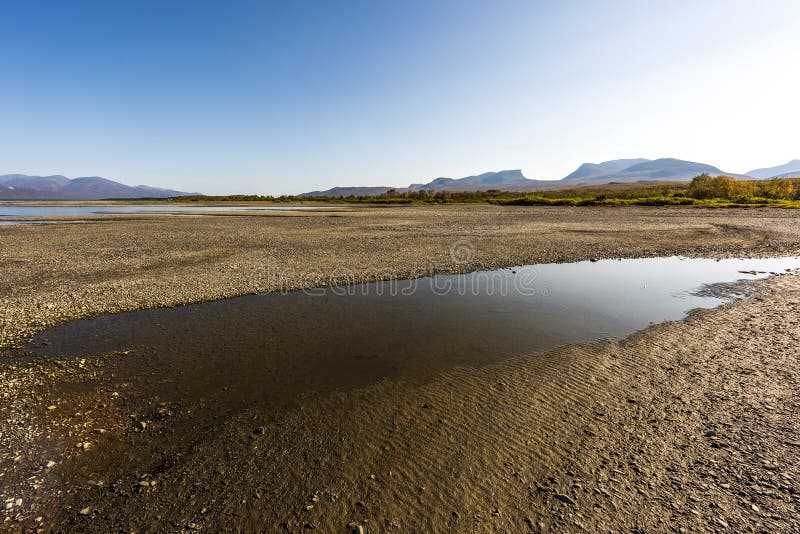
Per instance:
{"type": "Point", "coordinates": [686, 425]}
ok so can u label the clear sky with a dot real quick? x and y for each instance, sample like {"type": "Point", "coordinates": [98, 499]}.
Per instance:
{"type": "Point", "coordinates": [291, 96]}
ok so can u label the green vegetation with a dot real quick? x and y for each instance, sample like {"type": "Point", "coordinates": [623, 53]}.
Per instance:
{"type": "Point", "coordinates": [703, 190]}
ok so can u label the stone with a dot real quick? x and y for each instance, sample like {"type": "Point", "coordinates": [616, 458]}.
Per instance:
{"type": "Point", "coordinates": [564, 498]}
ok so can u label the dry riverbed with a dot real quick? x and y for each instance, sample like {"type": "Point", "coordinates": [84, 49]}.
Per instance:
{"type": "Point", "coordinates": [689, 425]}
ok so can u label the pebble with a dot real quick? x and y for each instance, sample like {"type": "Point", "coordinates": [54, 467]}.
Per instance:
{"type": "Point", "coordinates": [564, 498]}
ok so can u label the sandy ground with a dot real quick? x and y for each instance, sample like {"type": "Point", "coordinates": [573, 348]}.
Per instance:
{"type": "Point", "coordinates": [689, 425]}
{"type": "Point", "coordinates": [55, 273]}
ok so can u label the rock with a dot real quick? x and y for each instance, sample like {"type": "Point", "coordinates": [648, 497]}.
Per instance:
{"type": "Point", "coordinates": [564, 498]}
{"type": "Point", "coordinates": [50, 464]}
{"type": "Point", "coordinates": [85, 511]}
{"type": "Point", "coordinates": [18, 502]}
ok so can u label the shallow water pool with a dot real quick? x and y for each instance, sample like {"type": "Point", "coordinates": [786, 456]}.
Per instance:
{"type": "Point", "coordinates": [11, 211]}
{"type": "Point", "coordinates": [271, 348]}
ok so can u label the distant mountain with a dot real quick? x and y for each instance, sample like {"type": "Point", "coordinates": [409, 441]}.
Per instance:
{"type": "Point", "coordinates": [795, 174]}
{"type": "Point", "coordinates": [487, 180]}
{"type": "Point", "coordinates": [43, 183]}
{"type": "Point", "coordinates": [617, 170]}
{"type": "Point", "coordinates": [57, 187]}
{"type": "Point", "coordinates": [593, 170]}
{"type": "Point", "coordinates": [787, 170]}
{"type": "Point", "coordinates": [349, 191]}
{"type": "Point", "coordinates": [664, 169]}
{"type": "Point", "coordinates": [511, 180]}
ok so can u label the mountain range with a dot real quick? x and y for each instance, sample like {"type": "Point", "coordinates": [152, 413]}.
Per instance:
{"type": "Point", "coordinates": [57, 187]}
{"type": "Point", "coordinates": [618, 170]}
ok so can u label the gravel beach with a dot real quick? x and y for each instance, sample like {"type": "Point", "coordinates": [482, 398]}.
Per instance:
{"type": "Point", "coordinates": [685, 426]}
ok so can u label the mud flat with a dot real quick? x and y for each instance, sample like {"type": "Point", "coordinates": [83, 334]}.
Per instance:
{"type": "Point", "coordinates": [685, 425]}
{"type": "Point", "coordinates": [52, 273]}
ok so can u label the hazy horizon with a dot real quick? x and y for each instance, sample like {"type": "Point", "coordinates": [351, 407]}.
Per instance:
{"type": "Point", "coordinates": [273, 98]}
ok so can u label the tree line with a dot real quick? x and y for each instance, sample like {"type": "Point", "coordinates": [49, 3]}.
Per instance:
{"type": "Point", "coordinates": [703, 189]}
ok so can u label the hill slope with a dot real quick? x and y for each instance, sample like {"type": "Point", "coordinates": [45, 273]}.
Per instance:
{"type": "Point", "coordinates": [787, 169]}
{"type": "Point", "coordinates": [487, 180]}
{"type": "Point", "coordinates": [57, 187]}
{"type": "Point", "coordinates": [591, 170]}
{"type": "Point", "coordinates": [669, 169]}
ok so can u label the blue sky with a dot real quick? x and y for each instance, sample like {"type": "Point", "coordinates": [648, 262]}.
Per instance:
{"type": "Point", "coordinates": [261, 97]}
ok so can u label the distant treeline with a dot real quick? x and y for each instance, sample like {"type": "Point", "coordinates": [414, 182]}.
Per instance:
{"type": "Point", "coordinates": [703, 190]}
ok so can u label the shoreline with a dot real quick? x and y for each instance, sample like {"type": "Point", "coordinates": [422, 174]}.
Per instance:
{"type": "Point", "coordinates": [490, 448]}
{"type": "Point", "coordinates": [126, 265]}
